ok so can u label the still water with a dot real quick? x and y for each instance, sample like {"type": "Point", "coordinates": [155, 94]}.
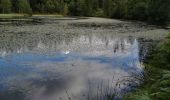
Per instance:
{"type": "Point", "coordinates": [68, 67]}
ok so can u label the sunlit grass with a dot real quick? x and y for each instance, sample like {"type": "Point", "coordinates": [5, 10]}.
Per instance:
{"type": "Point", "coordinates": [47, 15]}
{"type": "Point", "coordinates": [12, 15]}
{"type": "Point", "coordinates": [8, 16]}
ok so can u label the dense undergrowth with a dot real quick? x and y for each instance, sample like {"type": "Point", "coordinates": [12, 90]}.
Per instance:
{"type": "Point", "coordinates": [157, 82]}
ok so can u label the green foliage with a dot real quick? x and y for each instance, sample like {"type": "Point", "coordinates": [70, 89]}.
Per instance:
{"type": "Point", "coordinates": [24, 6]}
{"type": "Point", "coordinates": [107, 7]}
{"type": "Point", "coordinates": [153, 11]}
{"type": "Point", "coordinates": [83, 7]}
{"type": "Point", "coordinates": [161, 57]}
{"type": "Point", "coordinates": [65, 10]}
{"type": "Point", "coordinates": [49, 6]}
{"type": "Point", "coordinates": [136, 10]}
{"type": "Point", "coordinates": [158, 10]}
{"type": "Point", "coordinates": [99, 13]}
{"type": "Point", "coordinates": [157, 85]}
{"type": "Point", "coordinates": [5, 6]}
{"type": "Point", "coordinates": [138, 95]}
{"type": "Point", "coordinates": [119, 9]}
{"type": "Point", "coordinates": [72, 8]}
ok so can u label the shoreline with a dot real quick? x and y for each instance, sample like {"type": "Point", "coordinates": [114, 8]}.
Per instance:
{"type": "Point", "coordinates": [156, 83]}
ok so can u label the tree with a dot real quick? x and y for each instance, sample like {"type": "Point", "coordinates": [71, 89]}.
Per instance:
{"type": "Point", "coordinates": [155, 11]}
{"type": "Point", "coordinates": [71, 8]}
{"type": "Point", "coordinates": [65, 10]}
{"type": "Point", "coordinates": [136, 9]}
{"type": "Point", "coordinates": [158, 11]}
{"type": "Point", "coordinates": [108, 7]}
{"type": "Point", "coordinates": [83, 8]}
{"type": "Point", "coordinates": [49, 6]}
{"type": "Point", "coordinates": [37, 6]}
{"type": "Point", "coordinates": [5, 6]}
{"type": "Point", "coordinates": [88, 9]}
{"type": "Point", "coordinates": [23, 6]}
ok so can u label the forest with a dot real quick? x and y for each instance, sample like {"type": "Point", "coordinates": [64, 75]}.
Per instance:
{"type": "Point", "coordinates": [145, 10]}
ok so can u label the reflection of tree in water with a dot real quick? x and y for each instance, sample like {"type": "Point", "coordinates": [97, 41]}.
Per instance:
{"type": "Point", "coordinates": [101, 89]}
{"type": "Point", "coordinates": [12, 43]}
{"type": "Point", "coordinates": [122, 44]}
{"type": "Point", "coordinates": [23, 42]}
{"type": "Point", "coordinates": [146, 47]}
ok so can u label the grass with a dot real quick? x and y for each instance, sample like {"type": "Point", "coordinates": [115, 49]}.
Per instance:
{"type": "Point", "coordinates": [8, 16]}
{"type": "Point", "coordinates": [47, 15]}
{"type": "Point", "coordinates": [157, 84]}
{"type": "Point", "coordinates": [15, 15]}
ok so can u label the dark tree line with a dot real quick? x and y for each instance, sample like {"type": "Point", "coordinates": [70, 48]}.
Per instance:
{"type": "Point", "coordinates": [148, 10]}
{"type": "Point", "coordinates": [17, 6]}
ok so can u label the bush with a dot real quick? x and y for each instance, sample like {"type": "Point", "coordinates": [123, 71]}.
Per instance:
{"type": "Point", "coordinates": [157, 85]}
{"type": "Point", "coordinates": [99, 13]}
{"type": "Point", "coordinates": [161, 57]}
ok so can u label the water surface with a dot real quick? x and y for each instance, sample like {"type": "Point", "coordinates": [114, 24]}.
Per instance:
{"type": "Point", "coordinates": [41, 68]}
{"type": "Point", "coordinates": [36, 63]}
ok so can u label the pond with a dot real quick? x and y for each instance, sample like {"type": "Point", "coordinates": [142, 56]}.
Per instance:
{"type": "Point", "coordinates": [62, 60]}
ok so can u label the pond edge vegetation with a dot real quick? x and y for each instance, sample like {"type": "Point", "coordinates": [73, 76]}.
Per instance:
{"type": "Point", "coordinates": [157, 81]}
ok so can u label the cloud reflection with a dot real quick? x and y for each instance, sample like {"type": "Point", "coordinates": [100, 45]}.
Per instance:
{"type": "Point", "coordinates": [85, 66]}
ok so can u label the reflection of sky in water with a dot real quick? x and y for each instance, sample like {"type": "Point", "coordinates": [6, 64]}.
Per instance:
{"type": "Point", "coordinates": [87, 66]}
